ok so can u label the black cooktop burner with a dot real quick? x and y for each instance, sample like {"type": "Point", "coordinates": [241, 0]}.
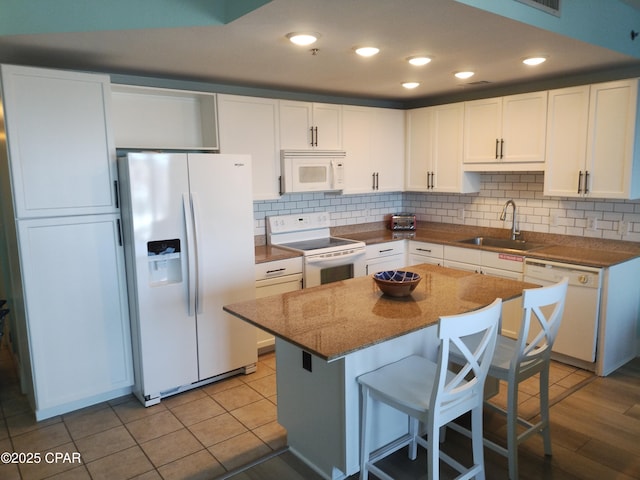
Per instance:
{"type": "Point", "coordinates": [318, 243]}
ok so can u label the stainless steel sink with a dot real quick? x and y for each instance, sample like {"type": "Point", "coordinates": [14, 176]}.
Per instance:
{"type": "Point", "coordinates": [521, 245]}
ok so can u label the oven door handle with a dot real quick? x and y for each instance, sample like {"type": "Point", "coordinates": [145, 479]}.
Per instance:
{"type": "Point", "coordinates": [334, 260]}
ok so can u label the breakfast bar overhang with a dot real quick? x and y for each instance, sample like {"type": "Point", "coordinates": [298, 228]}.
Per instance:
{"type": "Point", "coordinates": [327, 336]}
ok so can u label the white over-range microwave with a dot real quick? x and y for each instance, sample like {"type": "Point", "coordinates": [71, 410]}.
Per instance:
{"type": "Point", "coordinates": [312, 171]}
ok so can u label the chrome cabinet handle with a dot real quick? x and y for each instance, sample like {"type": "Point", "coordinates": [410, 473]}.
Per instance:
{"type": "Point", "coordinates": [586, 182]}
{"type": "Point", "coordinates": [502, 148]}
{"type": "Point", "coordinates": [580, 182]}
{"type": "Point", "coordinates": [497, 145]}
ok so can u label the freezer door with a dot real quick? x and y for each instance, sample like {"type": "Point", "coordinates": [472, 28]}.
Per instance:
{"type": "Point", "coordinates": [154, 216]}
{"type": "Point", "coordinates": [221, 190]}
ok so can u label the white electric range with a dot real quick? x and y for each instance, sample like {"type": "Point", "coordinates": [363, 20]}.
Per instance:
{"type": "Point", "coordinates": [326, 259]}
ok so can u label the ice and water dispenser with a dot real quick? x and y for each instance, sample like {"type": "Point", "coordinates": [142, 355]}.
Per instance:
{"type": "Point", "coordinates": [165, 264]}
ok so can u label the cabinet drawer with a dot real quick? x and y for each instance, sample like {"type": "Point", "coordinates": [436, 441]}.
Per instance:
{"type": "Point", "coordinates": [503, 261]}
{"type": "Point", "coordinates": [385, 249]}
{"type": "Point", "coordinates": [278, 268]}
{"type": "Point", "coordinates": [426, 249]}
{"type": "Point", "coordinates": [464, 255]}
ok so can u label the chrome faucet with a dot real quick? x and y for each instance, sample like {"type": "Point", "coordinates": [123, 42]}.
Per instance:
{"type": "Point", "coordinates": [514, 225]}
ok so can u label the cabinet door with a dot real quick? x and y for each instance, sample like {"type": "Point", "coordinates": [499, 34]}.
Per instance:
{"type": "Point", "coordinates": [250, 125]}
{"type": "Point", "coordinates": [387, 151]}
{"type": "Point", "coordinates": [61, 148]}
{"type": "Point", "coordinates": [482, 130]}
{"type": "Point", "coordinates": [567, 124]}
{"type": "Point", "coordinates": [297, 119]}
{"type": "Point", "coordinates": [295, 125]}
{"type": "Point", "coordinates": [357, 137]}
{"type": "Point", "coordinates": [447, 140]}
{"type": "Point", "coordinates": [327, 118]}
{"type": "Point", "coordinates": [418, 149]}
{"type": "Point", "coordinates": [76, 304]}
{"type": "Point", "coordinates": [611, 137]}
{"type": "Point", "coordinates": [524, 119]}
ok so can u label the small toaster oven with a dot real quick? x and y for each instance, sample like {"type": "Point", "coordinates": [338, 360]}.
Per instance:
{"type": "Point", "coordinates": [403, 221]}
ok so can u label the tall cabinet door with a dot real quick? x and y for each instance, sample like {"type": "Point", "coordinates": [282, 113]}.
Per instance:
{"type": "Point", "coordinates": [567, 123]}
{"type": "Point", "coordinates": [78, 329]}
{"type": "Point", "coordinates": [250, 125]}
{"type": "Point", "coordinates": [60, 143]}
{"type": "Point", "coordinates": [226, 266]}
{"type": "Point", "coordinates": [611, 139]}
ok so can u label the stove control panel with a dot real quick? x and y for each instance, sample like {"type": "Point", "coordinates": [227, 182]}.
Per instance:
{"type": "Point", "coordinates": [298, 222]}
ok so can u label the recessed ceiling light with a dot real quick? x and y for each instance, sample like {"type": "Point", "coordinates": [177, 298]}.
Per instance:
{"type": "Point", "coordinates": [464, 75]}
{"type": "Point", "coordinates": [300, 38]}
{"type": "Point", "coordinates": [411, 85]}
{"type": "Point", "coordinates": [534, 61]}
{"type": "Point", "coordinates": [418, 60]}
{"type": "Point", "coordinates": [367, 51]}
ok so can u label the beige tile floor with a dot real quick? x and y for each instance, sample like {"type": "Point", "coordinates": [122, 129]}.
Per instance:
{"type": "Point", "coordinates": [200, 434]}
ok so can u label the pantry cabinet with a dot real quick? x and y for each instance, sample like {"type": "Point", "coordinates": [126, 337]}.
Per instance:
{"type": "Point", "coordinates": [62, 250]}
{"type": "Point", "coordinates": [249, 125]}
{"type": "Point", "coordinates": [591, 141]}
{"type": "Point", "coordinates": [306, 125]}
{"type": "Point", "coordinates": [434, 151]}
{"type": "Point", "coordinates": [506, 133]}
{"type": "Point", "coordinates": [374, 141]}
{"type": "Point", "coordinates": [60, 145]}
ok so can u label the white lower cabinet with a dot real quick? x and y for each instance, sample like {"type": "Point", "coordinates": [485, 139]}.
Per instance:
{"type": "Point", "coordinates": [503, 265]}
{"type": "Point", "coordinates": [273, 278]}
{"type": "Point", "coordinates": [385, 256]}
{"type": "Point", "coordinates": [425, 252]}
{"type": "Point", "coordinates": [77, 312]}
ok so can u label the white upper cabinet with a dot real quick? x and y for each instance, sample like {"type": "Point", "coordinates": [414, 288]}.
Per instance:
{"type": "Point", "coordinates": [611, 164]}
{"type": "Point", "coordinates": [434, 151]}
{"type": "Point", "coordinates": [592, 136]}
{"type": "Point", "coordinates": [506, 133]}
{"type": "Point", "coordinates": [61, 148]}
{"type": "Point", "coordinates": [373, 139]}
{"type": "Point", "coordinates": [162, 118]}
{"type": "Point", "coordinates": [250, 125]}
{"type": "Point", "coordinates": [310, 125]}
{"type": "Point", "coordinates": [567, 125]}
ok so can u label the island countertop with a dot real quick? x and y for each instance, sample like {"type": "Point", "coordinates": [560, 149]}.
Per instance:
{"type": "Point", "coordinates": [339, 318]}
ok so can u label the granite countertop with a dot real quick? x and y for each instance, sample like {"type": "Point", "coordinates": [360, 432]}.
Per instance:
{"type": "Point", "coordinates": [592, 252]}
{"type": "Point", "coordinates": [268, 253]}
{"type": "Point", "coordinates": [336, 319]}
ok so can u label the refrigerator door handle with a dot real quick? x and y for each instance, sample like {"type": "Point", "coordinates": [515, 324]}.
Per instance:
{"type": "Point", "coordinates": [191, 254]}
{"type": "Point", "coordinates": [196, 240]}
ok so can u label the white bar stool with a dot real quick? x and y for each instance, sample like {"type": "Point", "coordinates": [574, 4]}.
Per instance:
{"type": "Point", "coordinates": [432, 395]}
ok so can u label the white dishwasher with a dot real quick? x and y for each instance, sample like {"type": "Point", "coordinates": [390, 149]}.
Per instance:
{"type": "Point", "coordinates": [578, 332]}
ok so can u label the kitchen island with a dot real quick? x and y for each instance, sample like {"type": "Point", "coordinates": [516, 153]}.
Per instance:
{"type": "Point", "coordinates": [328, 335]}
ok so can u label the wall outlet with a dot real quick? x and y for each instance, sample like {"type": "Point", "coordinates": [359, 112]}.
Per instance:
{"type": "Point", "coordinates": [553, 220]}
{"type": "Point", "coordinates": [461, 214]}
{"type": "Point", "coordinates": [592, 223]}
{"type": "Point", "coordinates": [624, 228]}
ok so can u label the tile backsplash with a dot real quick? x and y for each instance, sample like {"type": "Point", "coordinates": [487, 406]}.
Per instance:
{"type": "Point", "coordinates": [596, 218]}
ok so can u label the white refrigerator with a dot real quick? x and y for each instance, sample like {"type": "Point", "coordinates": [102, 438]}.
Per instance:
{"type": "Point", "coordinates": [189, 249]}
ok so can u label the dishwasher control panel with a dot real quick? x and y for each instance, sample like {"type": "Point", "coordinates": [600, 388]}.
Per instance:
{"type": "Point", "coordinates": [554, 272]}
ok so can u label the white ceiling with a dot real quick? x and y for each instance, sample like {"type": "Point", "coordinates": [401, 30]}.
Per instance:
{"type": "Point", "coordinates": [253, 50]}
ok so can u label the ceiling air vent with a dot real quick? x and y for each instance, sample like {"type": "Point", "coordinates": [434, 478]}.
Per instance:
{"type": "Point", "coordinates": [549, 6]}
